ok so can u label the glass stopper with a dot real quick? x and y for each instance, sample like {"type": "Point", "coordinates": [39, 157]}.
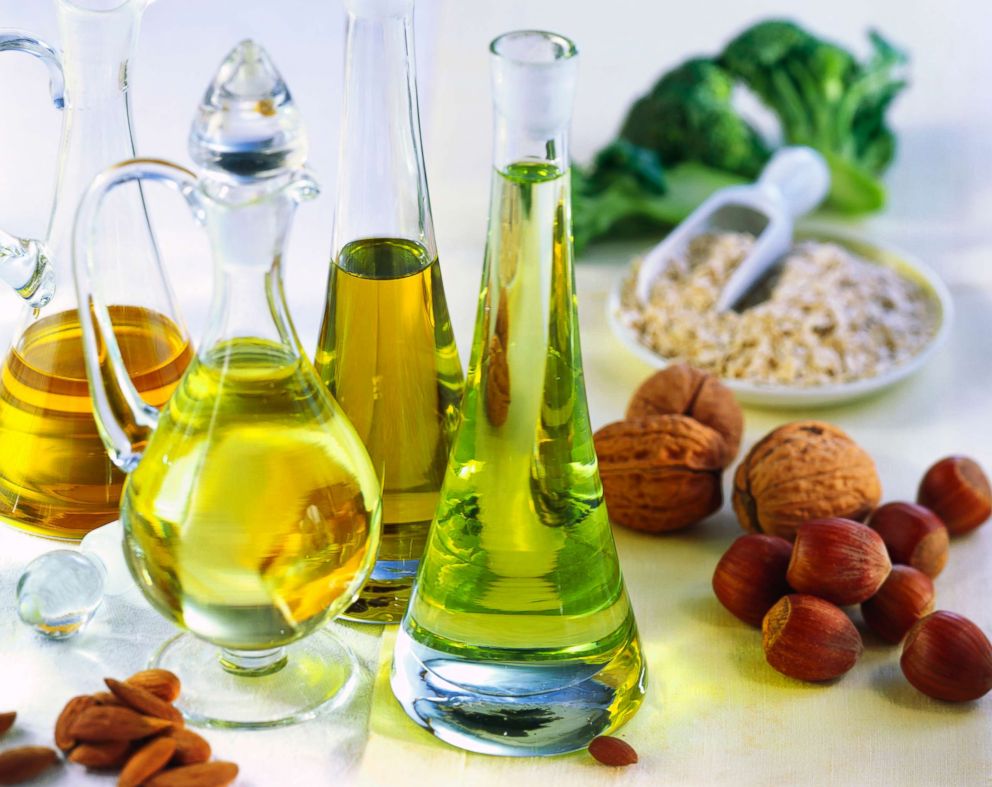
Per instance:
{"type": "Point", "coordinates": [59, 592]}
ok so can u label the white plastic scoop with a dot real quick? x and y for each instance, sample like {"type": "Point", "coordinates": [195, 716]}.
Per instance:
{"type": "Point", "coordinates": [793, 183]}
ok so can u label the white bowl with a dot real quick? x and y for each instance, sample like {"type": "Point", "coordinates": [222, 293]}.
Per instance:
{"type": "Point", "coordinates": [785, 396]}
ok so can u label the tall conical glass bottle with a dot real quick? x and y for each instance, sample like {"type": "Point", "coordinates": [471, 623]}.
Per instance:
{"type": "Point", "coordinates": [520, 638]}
{"type": "Point", "coordinates": [386, 349]}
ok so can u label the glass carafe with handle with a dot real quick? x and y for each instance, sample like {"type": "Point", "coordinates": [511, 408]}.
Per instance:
{"type": "Point", "coordinates": [520, 638]}
{"type": "Point", "coordinates": [55, 477]}
{"type": "Point", "coordinates": [386, 348]}
{"type": "Point", "coordinates": [251, 512]}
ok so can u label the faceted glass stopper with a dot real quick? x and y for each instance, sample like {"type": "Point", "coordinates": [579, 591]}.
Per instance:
{"type": "Point", "coordinates": [247, 125]}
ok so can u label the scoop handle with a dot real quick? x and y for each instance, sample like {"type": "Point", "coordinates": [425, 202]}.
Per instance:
{"type": "Point", "coordinates": [799, 177]}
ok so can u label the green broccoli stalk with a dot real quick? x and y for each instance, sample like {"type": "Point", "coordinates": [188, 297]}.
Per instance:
{"type": "Point", "coordinates": [826, 99]}
{"type": "Point", "coordinates": [689, 116]}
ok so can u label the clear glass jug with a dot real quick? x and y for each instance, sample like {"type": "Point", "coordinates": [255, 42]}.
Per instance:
{"type": "Point", "coordinates": [251, 512]}
{"type": "Point", "coordinates": [520, 638]}
{"type": "Point", "coordinates": [55, 476]}
{"type": "Point", "coordinates": [386, 348]}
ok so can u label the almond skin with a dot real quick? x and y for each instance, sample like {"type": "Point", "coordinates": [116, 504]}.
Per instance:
{"type": "Point", "coordinates": [948, 657]}
{"type": "Point", "coordinates": [146, 762]}
{"type": "Point", "coordinates": [206, 774]}
{"type": "Point", "coordinates": [913, 535]}
{"type": "Point", "coordinates": [841, 561]}
{"type": "Point", "coordinates": [906, 596]}
{"type": "Point", "coordinates": [958, 491]}
{"type": "Point", "coordinates": [809, 639]}
{"type": "Point", "coordinates": [7, 721]}
{"type": "Point", "coordinates": [63, 739]}
{"type": "Point", "coordinates": [612, 751]}
{"type": "Point", "coordinates": [109, 723]}
{"type": "Point", "coordinates": [144, 701]}
{"type": "Point", "coordinates": [25, 762]}
{"type": "Point", "coordinates": [190, 747]}
{"type": "Point", "coordinates": [160, 682]}
{"type": "Point", "coordinates": [105, 698]}
{"type": "Point", "coordinates": [750, 576]}
{"type": "Point", "coordinates": [110, 754]}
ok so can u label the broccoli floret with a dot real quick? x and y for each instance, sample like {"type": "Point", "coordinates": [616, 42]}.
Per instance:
{"type": "Point", "coordinates": [826, 99]}
{"type": "Point", "coordinates": [689, 116]}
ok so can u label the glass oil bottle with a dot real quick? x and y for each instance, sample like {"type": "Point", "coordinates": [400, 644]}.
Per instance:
{"type": "Point", "coordinates": [55, 476]}
{"type": "Point", "coordinates": [386, 348]}
{"type": "Point", "coordinates": [519, 638]}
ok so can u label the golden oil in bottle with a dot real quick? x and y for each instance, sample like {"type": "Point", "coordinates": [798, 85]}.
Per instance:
{"type": "Point", "coordinates": [56, 478]}
{"type": "Point", "coordinates": [248, 520]}
{"type": "Point", "coordinates": [387, 353]}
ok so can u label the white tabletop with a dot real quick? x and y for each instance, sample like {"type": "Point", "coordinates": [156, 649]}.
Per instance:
{"type": "Point", "coordinates": [715, 712]}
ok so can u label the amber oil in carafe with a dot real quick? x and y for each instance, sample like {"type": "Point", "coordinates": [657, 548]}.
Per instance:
{"type": "Point", "coordinates": [56, 478]}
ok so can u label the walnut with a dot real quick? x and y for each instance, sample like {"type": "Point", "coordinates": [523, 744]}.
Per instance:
{"type": "Point", "coordinates": [661, 472]}
{"type": "Point", "coordinates": [800, 471]}
{"type": "Point", "coordinates": [684, 390]}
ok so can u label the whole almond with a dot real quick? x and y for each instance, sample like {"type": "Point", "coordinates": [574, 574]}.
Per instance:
{"type": "Point", "coordinates": [105, 698]}
{"type": "Point", "coordinates": [143, 701]}
{"type": "Point", "coordinates": [190, 747]}
{"type": "Point", "coordinates": [110, 754]}
{"type": "Point", "coordinates": [160, 682]}
{"type": "Point", "coordinates": [146, 762]}
{"type": "Point", "coordinates": [63, 739]}
{"type": "Point", "coordinates": [110, 723]}
{"type": "Point", "coordinates": [25, 762]}
{"type": "Point", "coordinates": [612, 751]}
{"type": "Point", "coordinates": [7, 721]}
{"type": "Point", "coordinates": [205, 774]}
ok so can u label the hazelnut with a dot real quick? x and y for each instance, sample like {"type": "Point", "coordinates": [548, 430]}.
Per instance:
{"type": "Point", "coordinates": [913, 535]}
{"type": "Point", "coordinates": [905, 597]}
{"type": "Point", "coordinates": [809, 639]}
{"type": "Point", "coordinates": [838, 560]}
{"type": "Point", "coordinates": [750, 576]}
{"type": "Point", "coordinates": [957, 491]}
{"type": "Point", "coordinates": [947, 657]}
{"type": "Point", "coordinates": [801, 471]}
{"type": "Point", "coordinates": [660, 473]}
{"type": "Point", "coordinates": [681, 389]}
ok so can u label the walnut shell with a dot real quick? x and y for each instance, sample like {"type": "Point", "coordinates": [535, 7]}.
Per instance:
{"type": "Point", "coordinates": [660, 473]}
{"type": "Point", "coordinates": [801, 471]}
{"type": "Point", "coordinates": [684, 390]}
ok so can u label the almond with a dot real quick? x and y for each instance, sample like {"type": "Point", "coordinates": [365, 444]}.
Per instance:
{"type": "Point", "coordinates": [146, 762]}
{"type": "Point", "coordinates": [160, 682]}
{"type": "Point", "coordinates": [144, 701]}
{"type": "Point", "coordinates": [105, 698]}
{"type": "Point", "coordinates": [7, 721]}
{"type": "Point", "coordinates": [109, 723]}
{"type": "Point", "coordinates": [63, 739]}
{"type": "Point", "coordinates": [25, 762]}
{"type": "Point", "coordinates": [190, 747]}
{"type": "Point", "coordinates": [612, 751]}
{"type": "Point", "coordinates": [110, 754]}
{"type": "Point", "coordinates": [205, 774]}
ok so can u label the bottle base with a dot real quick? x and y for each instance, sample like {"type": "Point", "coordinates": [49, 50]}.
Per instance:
{"type": "Point", "coordinates": [524, 709]}
{"type": "Point", "coordinates": [259, 689]}
{"type": "Point", "coordinates": [384, 598]}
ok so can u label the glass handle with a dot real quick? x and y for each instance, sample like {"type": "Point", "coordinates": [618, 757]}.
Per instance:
{"type": "Point", "coordinates": [124, 419]}
{"type": "Point", "coordinates": [25, 263]}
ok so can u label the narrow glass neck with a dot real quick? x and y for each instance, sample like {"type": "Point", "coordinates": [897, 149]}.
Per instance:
{"type": "Point", "coordinates": [514, 144]}
{"type": "Point", "coordinates": [97, 48]}
{"type": "Point", "coordinates": [383, 183]}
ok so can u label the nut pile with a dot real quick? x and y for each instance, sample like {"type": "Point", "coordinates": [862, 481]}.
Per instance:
{"type": "Point", "coordinates": [132, 727]}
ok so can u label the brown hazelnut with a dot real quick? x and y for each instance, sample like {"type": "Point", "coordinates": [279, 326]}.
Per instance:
{"type": "Point", "coordinates": [914, 536]}
{"type": "Point", "coordinates": [681, 389]}
{"type": "Point", "coordinates": [947, 657]}
{"type": "Point", "coordinates": [750, 576]}
{"type": "Point", "coordinates": [905, 597]}
{"type": "Point", "coordinates": [809, 639]}
{"type": "Point", "coordinates": [957, 491]}
{"type": "Point", "coordinates": [801, 471]}
{"type": "Point", "coordinates": [660, 473]}
{"type": "Point", "coordinates": [838, 560]}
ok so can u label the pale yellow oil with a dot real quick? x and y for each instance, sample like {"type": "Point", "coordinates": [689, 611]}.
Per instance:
{"type": "Point", "coordinates": [56, 478]}
{"type": "Point", "coordinates": [253, 513]}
